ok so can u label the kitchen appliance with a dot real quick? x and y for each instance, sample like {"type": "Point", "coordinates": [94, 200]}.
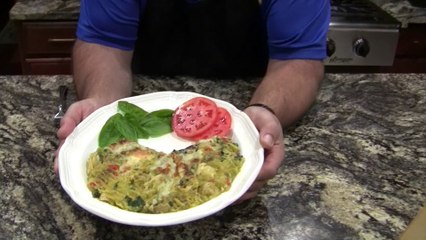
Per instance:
{"type": "Point", "coordinates": [361, 34]}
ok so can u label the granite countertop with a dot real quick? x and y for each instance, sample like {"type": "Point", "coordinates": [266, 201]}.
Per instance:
{"type": "Point", "coordinates": [40, 10]}
{"type": "Point", "coordinates": [402, 10]}
{"type": "Point", "coordinates": [355, 164]}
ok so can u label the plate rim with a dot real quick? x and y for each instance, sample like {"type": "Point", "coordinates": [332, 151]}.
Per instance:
{"type": "Point", "coordinates": [180, 216]}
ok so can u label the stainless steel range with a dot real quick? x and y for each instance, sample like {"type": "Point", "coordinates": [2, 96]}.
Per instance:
{"type": "Point", "coordinates": [361, 34]}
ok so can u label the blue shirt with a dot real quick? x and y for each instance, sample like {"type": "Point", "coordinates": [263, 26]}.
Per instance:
{"type": "Point", "coordinates": [296, 29]}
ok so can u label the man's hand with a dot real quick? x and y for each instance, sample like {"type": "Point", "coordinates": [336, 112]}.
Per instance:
{"type": "Point", "coordinates": [271, 139]}
{"type": "Point", "coordinates": [102, 75]}
{"type": "Point", "coordinates": [74, 115]}
{"type": "Point", "coordinates": [289, 88]}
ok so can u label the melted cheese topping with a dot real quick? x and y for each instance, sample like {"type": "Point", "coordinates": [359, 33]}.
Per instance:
{"type": "Point", "coordinates": [140, 179]}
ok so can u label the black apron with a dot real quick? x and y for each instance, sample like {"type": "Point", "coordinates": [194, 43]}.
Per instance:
{"type": "Point", "coordinates": [209, 38]}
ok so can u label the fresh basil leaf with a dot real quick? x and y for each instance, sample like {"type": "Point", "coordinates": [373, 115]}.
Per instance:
{"type": "Point", "coordinates": [165, 114]}
{"type": "Point", "coordinates": [109, 133]}
{"type": "Point", "coordinates": [142, 133]}
{"type": "Point", "coordinates": [131, 109]}
{"type": "Point", "coordinates": [134, 121]}
{"type": "Point", "coordinates": [162, 113]}
{"type": "Point", "coordinates": [126, 128]}
{"type": "Point", "coordinates": [156, 127]}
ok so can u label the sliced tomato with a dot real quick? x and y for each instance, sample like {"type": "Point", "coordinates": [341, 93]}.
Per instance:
{"type": "Point", "coordinates": [194, 117]}
{"type": "Point", "coordinates": [221, 127]}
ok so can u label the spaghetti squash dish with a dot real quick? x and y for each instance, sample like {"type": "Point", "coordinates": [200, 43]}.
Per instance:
{"type": "Point", "coordinates": [139, 179]}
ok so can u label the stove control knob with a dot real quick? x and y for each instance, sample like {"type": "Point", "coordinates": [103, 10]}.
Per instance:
{"type": "Point", "coordinates": [331, 47]}
{"type": "Point", "coordinates": [361, 47]}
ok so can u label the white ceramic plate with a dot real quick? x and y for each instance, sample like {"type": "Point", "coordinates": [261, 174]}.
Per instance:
{"type": "Point", "coordinates": [83, 141]}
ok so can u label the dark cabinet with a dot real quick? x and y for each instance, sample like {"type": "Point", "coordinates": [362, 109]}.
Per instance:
{"type": "Point", "coordinates": [45, 47]}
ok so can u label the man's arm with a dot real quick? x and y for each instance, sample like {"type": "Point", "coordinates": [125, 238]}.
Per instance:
{"type": "Point", "coordinates": [289, 88]}
{"type": "Point", "coordinates": [297, 32]}
{"type": "Point", "coordinates": [101, 73]}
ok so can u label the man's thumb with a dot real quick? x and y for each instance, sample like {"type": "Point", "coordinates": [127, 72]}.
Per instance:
{"type": "Point", "coordinates": [267, 140]}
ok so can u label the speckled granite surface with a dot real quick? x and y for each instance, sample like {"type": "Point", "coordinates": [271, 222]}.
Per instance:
{"type": "Point", "coordinates": [45, 10]}
{"type": "Point", "coordinates": [355, 165]}
{"type": "Point", "coordinates": [403, 11]}
{"type": "Point", "coordinates": [69, 9]}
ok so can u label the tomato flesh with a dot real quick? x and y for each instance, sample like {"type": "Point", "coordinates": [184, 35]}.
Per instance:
{"type": "Point", "coordinates": [221, 127]}
{"type": "Point", "coordinates": [194, 117]}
